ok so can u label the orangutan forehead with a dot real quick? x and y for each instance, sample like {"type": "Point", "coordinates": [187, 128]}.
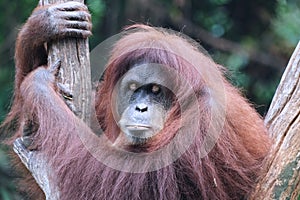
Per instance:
{"type": "Point", "coordinates": [150, 73]}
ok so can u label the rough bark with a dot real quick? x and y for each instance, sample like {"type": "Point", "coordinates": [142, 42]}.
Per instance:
{"type": "Point", "coordinates": [39, 168]}
{"type": "Point", "coordinates": [282, 177]}
{"type": "Point", "coordinates": [75, 76]}
{"type": "Point", "coordinates": [75, 73]}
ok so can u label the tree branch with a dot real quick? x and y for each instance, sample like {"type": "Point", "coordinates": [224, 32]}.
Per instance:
{"type": "Point", "coordinates": [75, 72]}
{"type": "Point", "coordinates": [75, 76]}
{"type": "Point", "coordinates": [39, 168]}
{"type": "Point", "coordinates": [282, 178]}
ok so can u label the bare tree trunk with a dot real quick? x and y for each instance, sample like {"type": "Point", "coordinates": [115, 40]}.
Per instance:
{"type": "Point", "coordinates": [75, 76]}
{"type": "Point", "coordinates": [75, 73]}
{"type": "Point", "coordinates": [282, 178]}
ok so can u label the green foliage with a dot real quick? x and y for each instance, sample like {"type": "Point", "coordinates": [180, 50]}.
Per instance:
{"type": "Point", "coordinates": [235, 64]}
{"type": "Point", "coordinates": [7, 187]}
{"type": "Point", "coordinates": [6, 88]}
{"type": "Point", "coordinates": [216, 19]}
{"type": "Point", "coordinates": [97, 8]}
{"type": "Point", "coordinates": [286, 25]}
{"type": "Point", "coordinates": [13, 12]}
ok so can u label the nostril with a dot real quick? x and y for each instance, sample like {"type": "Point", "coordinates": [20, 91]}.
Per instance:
{"type": "Point", "coordinates": [144, 109]}
{"type": "Point", "coordinates": [141, 108]}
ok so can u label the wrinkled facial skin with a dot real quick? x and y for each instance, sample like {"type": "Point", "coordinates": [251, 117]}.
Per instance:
{"type": "Point", "coordinates": [143, 103]}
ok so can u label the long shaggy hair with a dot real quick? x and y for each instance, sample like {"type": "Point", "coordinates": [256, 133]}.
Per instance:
{"type": "Point", "coordinates": [228, 171]}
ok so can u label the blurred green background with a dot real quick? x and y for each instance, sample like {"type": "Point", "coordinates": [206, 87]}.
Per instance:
{"type": "Point", "coordinates": [253, 39]}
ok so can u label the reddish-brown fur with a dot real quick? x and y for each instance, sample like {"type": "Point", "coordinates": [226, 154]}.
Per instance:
{"type": "Point", "coordinates": [229, 171]}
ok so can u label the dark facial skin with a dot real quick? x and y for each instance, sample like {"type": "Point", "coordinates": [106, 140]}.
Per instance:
{"type": "Point", "coordinates": [143, 102]}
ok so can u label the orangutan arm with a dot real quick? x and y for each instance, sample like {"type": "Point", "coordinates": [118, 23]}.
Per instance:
{"type": "Point", "coordinates": [38, 91]}
{"type": "Point", "coordinates": [48, 23]}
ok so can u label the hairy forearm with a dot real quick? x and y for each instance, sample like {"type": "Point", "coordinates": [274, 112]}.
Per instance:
{"type": "Point", "coordinates": [30, 51]}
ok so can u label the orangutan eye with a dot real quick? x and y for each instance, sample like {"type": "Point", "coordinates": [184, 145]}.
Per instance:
{"type": "Point", "coordinates": [132, 86]}
{"type": "Point", "coordinates": [155, 89]}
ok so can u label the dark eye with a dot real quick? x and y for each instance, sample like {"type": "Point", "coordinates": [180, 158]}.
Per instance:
{"type": "Point", "coordinates": [132, 86]}
{"type": "Point", "coordinates": [155, 89]}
